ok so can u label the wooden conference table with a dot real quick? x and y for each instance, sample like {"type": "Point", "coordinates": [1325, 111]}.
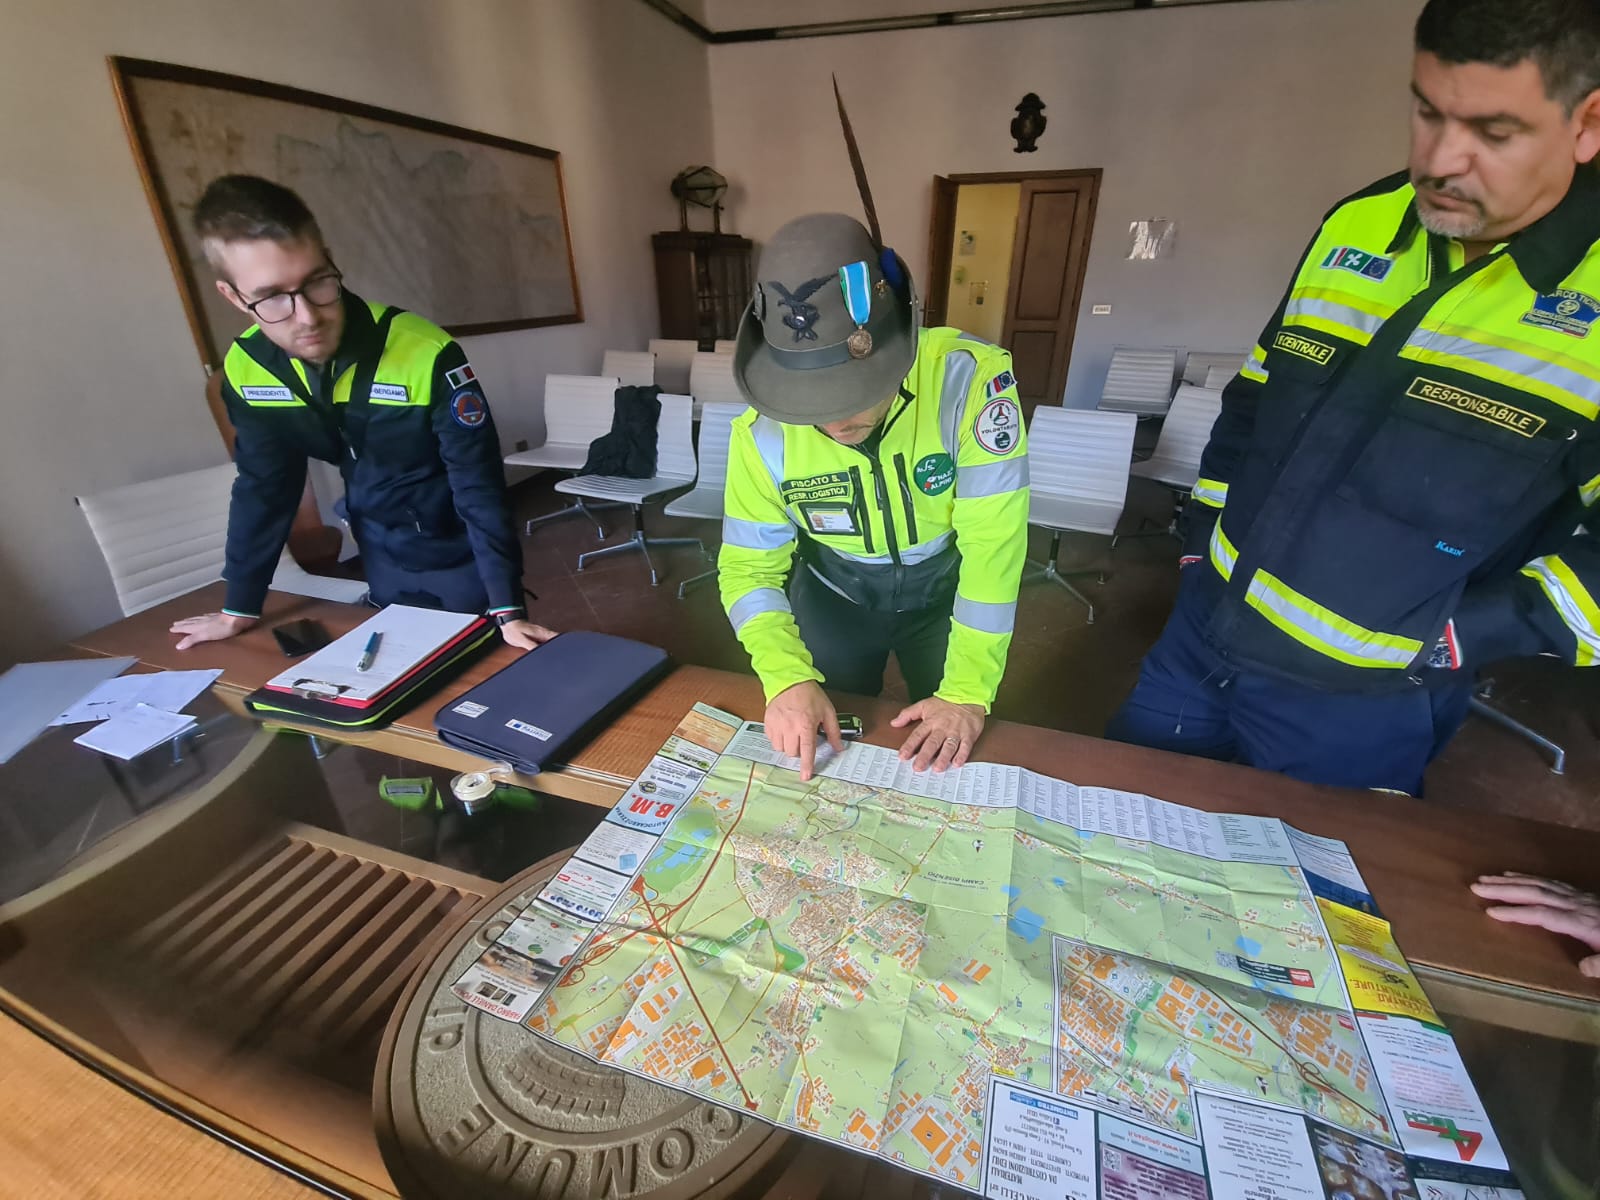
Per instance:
{"type": "Point", "coordinates": [1416, 856]}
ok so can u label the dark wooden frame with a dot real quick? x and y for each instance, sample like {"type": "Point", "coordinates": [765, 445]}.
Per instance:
{"type": "Point", "coordinates": [124, 71]}
{"type": "Point", "coordinates": [941, 232]}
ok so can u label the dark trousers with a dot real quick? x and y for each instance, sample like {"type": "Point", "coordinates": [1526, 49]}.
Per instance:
{"type": "Point", "coordinates": [1191, 701]}
{"type": "Point", "coordinates": [454, 589]}
{"type": "Point", "coordinates": [850, 644]}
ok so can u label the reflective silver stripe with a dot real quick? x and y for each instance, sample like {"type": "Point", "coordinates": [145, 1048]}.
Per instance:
{"type": "Point", "coordinates": [985, 618]}
{"type": "Point", "coordinates": [910, 556]}
{"type": "Point", "coordinates": [959, 368]}
{"type": "Point", "coordinates": [1323, 634]}
{"type": "Point", "coordinates": [877, 560]}
{"type": "Point", "coordinates": [1222, 552]}
{"type": "Point", "coordinates": [753, 604]}
{"type": "Point", "coordinates": [1568, 606]}
{"type": "Point", "coordinates": [768, 435]}
{"type": "Point", "coordinates": [1341, 314]}
{"type": "Point", "coordinates": [1209, 491]}
{"type": "Point", "coordinates": [755, 535]}
{"type": "Point", "coordinates": [928, 549]}
{"type": "Point", "coordinates": [827, 583]}
{"type": "Point", "coordinates": [991, 478]}
{"type": "Point", "coordinates": [1508, 360]}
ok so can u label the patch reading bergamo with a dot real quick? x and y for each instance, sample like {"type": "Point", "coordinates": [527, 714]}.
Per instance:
{"type": "Point", "coordinates": [1504, 415]}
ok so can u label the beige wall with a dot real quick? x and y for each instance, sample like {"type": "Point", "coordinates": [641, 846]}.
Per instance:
{"type": "Point", "coordinates": [987, 212]}
{"type": "Point", "coordinates": [1243, 122]}
{"type": "Point", "coordinates": [99, 381]}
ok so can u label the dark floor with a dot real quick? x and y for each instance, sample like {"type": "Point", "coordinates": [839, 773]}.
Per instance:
{"type": "Point", "coordinates": [1064, 673]}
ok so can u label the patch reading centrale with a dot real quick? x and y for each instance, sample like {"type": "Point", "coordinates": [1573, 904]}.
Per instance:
{"type": "Point", "coordinates": [1309, 348]}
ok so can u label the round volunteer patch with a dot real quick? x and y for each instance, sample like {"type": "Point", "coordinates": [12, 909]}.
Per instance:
{"type": "Point", "coordinates": [998, 426]}
{"type": "Point", "coordinates": [935, 474]}
{"type": "Point", "coordinates": [467, 408]}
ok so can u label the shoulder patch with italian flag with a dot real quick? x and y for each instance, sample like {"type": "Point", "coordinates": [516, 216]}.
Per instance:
{"type": "Point", "coordinates": [461, 376]}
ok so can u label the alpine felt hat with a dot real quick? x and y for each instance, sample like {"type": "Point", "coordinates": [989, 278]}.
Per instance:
{"type": "Point", "coordinates": [800, 358]}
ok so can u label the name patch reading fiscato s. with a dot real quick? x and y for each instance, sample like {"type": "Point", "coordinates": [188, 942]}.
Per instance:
{"type": "Point", "coordinates": [1504, 415]}
{"type": "Point", "coordinates": [833, 486]}
{"type": "Point", "coordinates": [1293, 343]}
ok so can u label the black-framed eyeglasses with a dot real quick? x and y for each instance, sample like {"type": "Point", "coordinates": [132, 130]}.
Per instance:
{"type": "Point", "coordinates": [321, 291]}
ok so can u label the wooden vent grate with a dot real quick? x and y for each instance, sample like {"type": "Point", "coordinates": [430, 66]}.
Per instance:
{"type": "Point", "coordinates": [299, 937]}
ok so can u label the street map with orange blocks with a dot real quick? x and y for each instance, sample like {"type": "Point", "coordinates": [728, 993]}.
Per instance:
{"type": "Point", "coordinates": [858, 956]}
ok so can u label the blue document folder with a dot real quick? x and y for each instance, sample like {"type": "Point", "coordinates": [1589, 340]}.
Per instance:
{"type": "Point", "coordinates": [543, 707]}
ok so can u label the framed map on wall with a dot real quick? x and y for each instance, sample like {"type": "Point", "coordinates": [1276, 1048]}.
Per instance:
{"type": "Point", "coordinates": [464, 228]}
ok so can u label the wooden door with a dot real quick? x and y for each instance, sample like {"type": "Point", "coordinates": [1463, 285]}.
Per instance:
{"type": "Point", "coordinates": [1054, 222]}
{"type": "Point", "coordinates": [941, 237]}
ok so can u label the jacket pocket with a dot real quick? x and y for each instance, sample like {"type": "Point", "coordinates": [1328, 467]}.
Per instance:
{"type": "Point", "coordinates": [1458, 478]}
{"type": "Point", "coordinates": [1294, 386]}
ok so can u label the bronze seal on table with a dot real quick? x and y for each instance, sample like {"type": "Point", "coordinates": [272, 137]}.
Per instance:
{"type": "Point", "coordinates": [470, 1105]}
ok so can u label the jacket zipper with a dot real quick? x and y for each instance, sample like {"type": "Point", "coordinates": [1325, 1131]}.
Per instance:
{"type": "Point", "coordinates": [882, 490]}
{"type": "Point", "coordinates": [905, 497]}
{"type": "Point", "coordinates": [861, 509]}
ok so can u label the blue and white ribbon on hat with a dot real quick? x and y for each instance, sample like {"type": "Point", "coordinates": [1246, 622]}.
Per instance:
{"type": "Point", "coordinates": [855, 280]}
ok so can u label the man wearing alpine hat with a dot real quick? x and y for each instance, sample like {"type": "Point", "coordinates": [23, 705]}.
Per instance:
{"type": "Point", "coordinates": [877, 497]}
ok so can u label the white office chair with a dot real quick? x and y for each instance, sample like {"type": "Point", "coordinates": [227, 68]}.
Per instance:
{"type": "Point", "coordinates": [705, 502]}
{"type": "Point", "coordinates": [577, 409]}
{"type": "Point", "coordinates": [1078, 472]}
{"type": "Point", "coordinates": [1198, 366]}
{"type": "Point", "coordinates": [1218, 378]}
{"type": "Point", "coordinates": [675, 468]}
{"type": "Point", "coordinates": [631, 368]}
{"type": "Point", "coordinates": [724, 346]}
{"type": "Point", "coordinates": [673, 357]}
{"type": "Point", "coordinates": [1176, 461]}
{"type": "Point", "coordinates": [1139, 381]}
{"type": "Point", "coordinates": [711, 381]}
{"type": "Point", "coordinates": [166, 537]}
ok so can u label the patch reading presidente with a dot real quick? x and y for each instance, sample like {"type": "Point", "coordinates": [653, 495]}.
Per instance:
{"type": "Point", "coordinates": [1293, 343]}
{"type": "Point", "coordinates": [1473, 405]}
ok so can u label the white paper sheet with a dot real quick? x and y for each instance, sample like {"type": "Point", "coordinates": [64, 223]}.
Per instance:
{"type": "Point", "coordinates": [169, 690]}
{"type": "Point", "coordinates": [410, 635]}
{"type": "Point", "coordinates": [135, 731]}
{"type": "Point", "coordinates": [32, 694]}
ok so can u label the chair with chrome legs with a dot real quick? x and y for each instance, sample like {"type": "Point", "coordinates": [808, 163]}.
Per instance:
{"type": "Point", "coordinates": [1078, 472]}
{"type": "Point", "coordinates": [1175, 465]}
{"type": "Point", "coordinates": [577, 409]}
{"type": "Point", "coordinates": [675, 469]}
{"type": "Point", "coordinates": [705, 502]}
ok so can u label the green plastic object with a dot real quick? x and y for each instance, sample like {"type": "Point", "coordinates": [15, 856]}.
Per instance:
{"type": "Point", "coordinates": [416, 795]}
{"type": "Point", "coordinates": [516, 797]}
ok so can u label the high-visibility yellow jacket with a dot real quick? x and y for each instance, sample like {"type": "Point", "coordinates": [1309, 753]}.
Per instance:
{"type": "Point", "coordinates": [1411, 457]}
{"type": "Point", "coordinates": [943, 499]}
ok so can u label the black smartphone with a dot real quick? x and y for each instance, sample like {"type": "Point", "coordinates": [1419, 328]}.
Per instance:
{"type": "Point", "coordinates": [300, 637]}
{"type": "Point", "coordinates": [850, 727]}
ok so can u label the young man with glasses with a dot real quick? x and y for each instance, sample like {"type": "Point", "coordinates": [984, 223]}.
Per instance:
{"type": "Point", "coordinates": [383, 393]}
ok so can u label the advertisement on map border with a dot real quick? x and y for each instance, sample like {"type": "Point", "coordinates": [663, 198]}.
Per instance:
{"type": "Point", "coordinates": [1039, 1144]}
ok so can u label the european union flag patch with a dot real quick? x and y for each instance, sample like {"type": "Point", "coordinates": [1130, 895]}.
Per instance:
{"type": "Point", "coordinates": [1564, 311]}
{"type": "Point", "coordinates": [1002, 382]}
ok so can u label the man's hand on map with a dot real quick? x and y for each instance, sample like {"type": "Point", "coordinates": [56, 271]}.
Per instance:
{"type": "Point", "coordinates": [792, 721]}
{"type": "Point", "coordinates": [1558, 907]}
{"type": "Point", "coordinates": [945, 733]}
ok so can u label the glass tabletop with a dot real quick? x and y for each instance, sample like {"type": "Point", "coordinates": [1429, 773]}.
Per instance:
{"type": "Point", "coordinates": [226, 923]}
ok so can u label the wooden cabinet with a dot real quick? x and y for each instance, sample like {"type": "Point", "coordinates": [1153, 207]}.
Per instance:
{"type": "Point", "coordinates": [703, 284]}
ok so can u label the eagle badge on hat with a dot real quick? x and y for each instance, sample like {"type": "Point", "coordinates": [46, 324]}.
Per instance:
{"type": "Point", "coordinates": [801, 316]}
